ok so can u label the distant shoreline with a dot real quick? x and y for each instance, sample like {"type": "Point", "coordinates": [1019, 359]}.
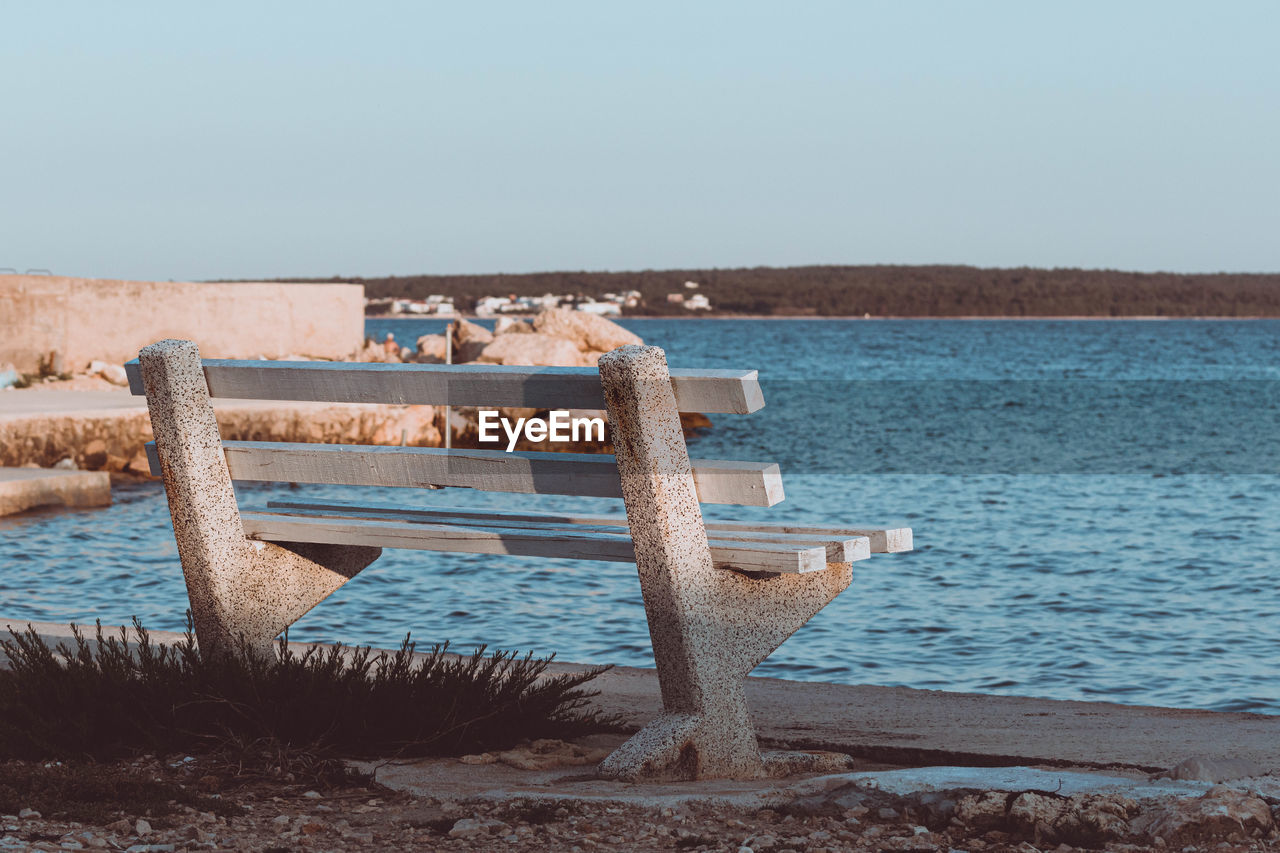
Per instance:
{"type": "Point", "coordinates": [1076, 317]}
{"type": "Point", "coordinates": [883, 291]}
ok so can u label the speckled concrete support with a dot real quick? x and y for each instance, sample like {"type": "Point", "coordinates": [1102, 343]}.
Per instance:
{"type": "Point", "coordinates": [239, 589]}
{"type": "Point", "coordinates": [709, 627]}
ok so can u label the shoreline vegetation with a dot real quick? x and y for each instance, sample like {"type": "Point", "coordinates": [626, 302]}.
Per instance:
{"type": "Point", "coordinates": [881, 291]}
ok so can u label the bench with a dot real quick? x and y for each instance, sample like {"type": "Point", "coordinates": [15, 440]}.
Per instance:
{"type": "Point", "coordinates": [719, 596]}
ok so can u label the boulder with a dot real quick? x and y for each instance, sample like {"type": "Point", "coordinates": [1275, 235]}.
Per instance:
{"type": "Point", "coordinates": [372, 351]}
{"type": "Point", "coordinates": [469, 340]}
{"type": "Point", "coordinates": [510, 325]}
{"type": "Point", "coordinates": [113, 373]}
{"type": "Point", "coordinates": [1215, 769]}
{"type": "Point", "coordinates": [94, 455]}
{"type": "Point", "coordinates": [432, 349]}
{"type": "Point", "coordinates": [1219, 814]}
{"type": "Point", "coordinates": [532, 349]}
{"type": "Point", "coordinates": [588, 332]}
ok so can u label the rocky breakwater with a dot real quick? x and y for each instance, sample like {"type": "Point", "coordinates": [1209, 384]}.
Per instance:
{"type": "Point", "coordinates": [555, 337]}
{"type": "Point", "coordinates": [114, 439]}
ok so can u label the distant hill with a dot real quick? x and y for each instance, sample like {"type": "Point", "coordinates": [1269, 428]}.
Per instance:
{"type": "Point", "coordinates": [893, 291]}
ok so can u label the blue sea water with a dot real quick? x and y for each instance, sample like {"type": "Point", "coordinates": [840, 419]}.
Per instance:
{"type": "Point", "coordinates": [1095, 503]}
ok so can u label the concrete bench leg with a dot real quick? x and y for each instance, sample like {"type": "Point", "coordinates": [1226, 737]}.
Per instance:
{"type": "Point", "coordinates": [240, 590]}
{"type": "Point", "coordinates": [709, 627]}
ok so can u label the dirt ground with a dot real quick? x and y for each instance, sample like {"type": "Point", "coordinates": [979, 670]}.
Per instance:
{"type": "Point", "coordinates": [181, 803]}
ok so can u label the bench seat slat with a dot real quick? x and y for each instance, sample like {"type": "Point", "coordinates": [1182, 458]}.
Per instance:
{"type": "Point", "coordinates": [838, 549]}
{"type": "Point", "coordinates": [711, 391]}
{"type": "Point", "coordinates": [583, 474]}
{"type": "Point", "coordinates": [515, 541]}
{"type": "Point", "coordinates": [884, 540]}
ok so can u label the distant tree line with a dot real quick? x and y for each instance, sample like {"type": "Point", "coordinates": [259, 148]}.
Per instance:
{"type": "Point", "coordinates": [894, 291]}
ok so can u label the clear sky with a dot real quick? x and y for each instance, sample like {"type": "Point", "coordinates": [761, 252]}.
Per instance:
{"type": "Point", "coordinates": [182, 140]}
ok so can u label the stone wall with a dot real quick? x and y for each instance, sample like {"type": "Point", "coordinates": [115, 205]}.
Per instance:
{"type": "Point", "coordinates": [114, 440]}
{"type": "Point", "coordinates": [82, 319]}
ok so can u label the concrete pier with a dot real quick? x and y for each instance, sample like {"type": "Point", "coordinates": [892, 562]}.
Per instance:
{"type": "Point", "coordinates": [22, 489]}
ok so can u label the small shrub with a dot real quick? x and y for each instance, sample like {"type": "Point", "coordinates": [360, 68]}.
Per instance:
{"type": "Point", "coordinates": [103, 700]}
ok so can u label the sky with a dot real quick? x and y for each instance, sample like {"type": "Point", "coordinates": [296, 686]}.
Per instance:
{"type": "Point", "coordinates": [256, 140]}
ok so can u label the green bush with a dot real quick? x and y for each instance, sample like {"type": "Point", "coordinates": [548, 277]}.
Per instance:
{"type": "Point", "coordinates": [104, 700]}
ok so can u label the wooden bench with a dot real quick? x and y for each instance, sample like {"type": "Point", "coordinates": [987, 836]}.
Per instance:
{"type": "Point", "coordinates": [719, 596]}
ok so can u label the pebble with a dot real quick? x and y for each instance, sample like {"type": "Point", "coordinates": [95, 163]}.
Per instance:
{"type": "Point", "coordinates": [142, 827]}
{"type": "Point", "coordinates": [468, 828]}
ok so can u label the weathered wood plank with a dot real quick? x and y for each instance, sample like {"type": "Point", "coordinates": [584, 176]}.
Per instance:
{"type": "Point", "coordinates": [883, 540]}
{"type": "Point", "coordinates": [584, 474]}
{"type": "Point", "coordinates": [564, 543]}
{"type": "Point", "coordinates": [838, 549]}
{"type": "Point", "coordinates": [710, 391]}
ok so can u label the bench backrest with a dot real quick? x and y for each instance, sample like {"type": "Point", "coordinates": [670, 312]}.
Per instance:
{"type": "Point", "coordinates": [582, 474]}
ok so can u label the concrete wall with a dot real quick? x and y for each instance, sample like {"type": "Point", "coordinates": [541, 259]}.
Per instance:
{"type": "Point", "coordinates": [83, 319]}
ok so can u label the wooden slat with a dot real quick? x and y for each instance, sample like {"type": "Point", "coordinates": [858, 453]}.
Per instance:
{"type": "Point", "coordinates": [884, 540]}
{"type": "Point", "coordinates": [838, 549]}
{"type": "Point", "coordinates": [515, 541]}
{"type": "Point", "coordinates": [711, 391]}
{"type": "Point", "coordinates": [583, 474]}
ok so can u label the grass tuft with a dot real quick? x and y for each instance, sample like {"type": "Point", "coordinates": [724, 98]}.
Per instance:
{"type": "Point", "coordinates": [103, 700]}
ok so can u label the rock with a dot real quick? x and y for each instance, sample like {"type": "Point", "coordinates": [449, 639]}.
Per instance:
{"type": "Point", "coordinates": [1099, 818]}
{"type": "Point", "coordinates": [546, 753]}
{"type": "Point", "coordinates": [586, 331]}
{"type": "Point", "coordinates": [139, 464]}
{"type": "Point", "coordinates": [94, 455]}
{"type": "Point", "coordinates": [1029, 809]}
{"type": "Point", "coordinates": [1215, 815]}
{"type": "Point", "coordinates": [29, 814]}
{"type": "Point", "coordinates": [1215, 769]}
{"type": "Point", "coordinates": [121, 826]}
{"type": "Point", "coordinates": [113, 373]}
{"type": "Point", "coordinates": [981, 810]}
{"type": "Point", "coordinates": [470, 827]}
{"type": "Point", "coordinates": [313, 795]}
{"type": "Point", "coordinates": [414, 425]}
{"type": "Point", "coordinates": [482, 758]}
{"type": "Point", "coordinates": [142, 827]}
{"type": "Point", "coordinates": [67, 464]}
{"type": "Point", "coordinates": [469, 340]}
{"type": "Point", "coordinates": [531, 349]}
{"type": "Point", "coordinates": [432, 349]}
{"type": "Point", "coordinates": [510, 325]}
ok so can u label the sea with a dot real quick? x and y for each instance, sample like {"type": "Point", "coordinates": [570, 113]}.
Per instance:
{"type": "Point", "coordinates": [1095, 505]}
